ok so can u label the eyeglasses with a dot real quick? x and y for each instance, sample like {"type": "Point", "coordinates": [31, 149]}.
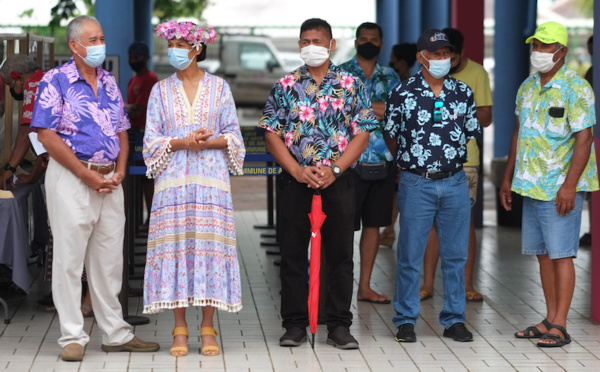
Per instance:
{"type": "Point", "coordinates": [437, 110]}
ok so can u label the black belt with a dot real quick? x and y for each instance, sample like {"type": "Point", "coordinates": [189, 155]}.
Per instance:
{"type": "Point", "coordinates": [434, 175]}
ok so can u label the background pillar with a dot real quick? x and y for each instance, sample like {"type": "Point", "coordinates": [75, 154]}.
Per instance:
{"type": "Point", "coordinates": [143, 29]}
{"type": "Point", "coordinates": [387, 17]}
{"type": "Point", "coordinates": [515, 21]}
{"type": "Point", "coordinates": [116, 18]}
{"type": "Point", "coordinates": [434, 14]}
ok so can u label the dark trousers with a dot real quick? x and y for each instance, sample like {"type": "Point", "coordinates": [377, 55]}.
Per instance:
{"type": "Point", "coordinates": [337, 246]}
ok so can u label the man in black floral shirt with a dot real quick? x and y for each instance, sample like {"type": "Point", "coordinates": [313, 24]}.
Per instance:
{"type": "Point", "coordinates": [317, 122]}
{"type": "Point", "coordinates": [428, 119]}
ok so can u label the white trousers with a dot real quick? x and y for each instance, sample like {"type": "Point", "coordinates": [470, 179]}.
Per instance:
{"type": "Point", "coordinates": [87, 227]}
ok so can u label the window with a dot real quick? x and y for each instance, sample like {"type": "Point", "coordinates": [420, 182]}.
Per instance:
{"type": "Point", "coordinates": [256, 57]}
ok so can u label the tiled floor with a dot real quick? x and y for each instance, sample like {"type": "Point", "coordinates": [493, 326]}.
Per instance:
{"type": "Point", "coordinates": [249, 339]}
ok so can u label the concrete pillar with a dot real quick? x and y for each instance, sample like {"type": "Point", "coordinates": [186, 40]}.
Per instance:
{"type": "Point", "coordinates": [409, 20]}
{"type": "Point", "coordinates": [116, 18]}
{"type": "Point", "coordinates": [143, 29]}
{"type": "Point", "coordinates": [435, 14]}
{"type": "Point", "coordinates": [595, 228]}
{"type": "Point", "coordinates": [515, 21]}
{"type": "Point", "coordinates": [387, 18]}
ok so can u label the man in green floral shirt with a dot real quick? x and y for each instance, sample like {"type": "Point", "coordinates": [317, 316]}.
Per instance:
{"type": "Point", "coordinates": [551, 163]}
{"type": "Point", "coordinates": [375, 174]}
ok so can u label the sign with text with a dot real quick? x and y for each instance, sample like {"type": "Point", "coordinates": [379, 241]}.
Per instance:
{"type": "Point", "coordinates": [254, 140]}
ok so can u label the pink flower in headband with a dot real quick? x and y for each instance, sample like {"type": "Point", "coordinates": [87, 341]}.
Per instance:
{"type": "Point", "coordinates": [188, 31]}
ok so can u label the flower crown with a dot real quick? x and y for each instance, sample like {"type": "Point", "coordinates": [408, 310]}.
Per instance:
{"type": "Point", "coordinates": [189, 31]}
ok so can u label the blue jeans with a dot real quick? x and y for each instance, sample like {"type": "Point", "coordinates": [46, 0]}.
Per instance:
{"type": "Point", "coordinates": [423, 202]}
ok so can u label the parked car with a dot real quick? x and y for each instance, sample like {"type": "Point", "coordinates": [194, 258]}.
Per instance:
{"type": "Point", "coordinates": [251, 65]}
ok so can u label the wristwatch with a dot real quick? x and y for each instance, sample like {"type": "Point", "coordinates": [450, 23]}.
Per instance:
{"type": "Point", "coordinates": [337, 171]}
{"type": "Point", "coordinates": [8, 167]}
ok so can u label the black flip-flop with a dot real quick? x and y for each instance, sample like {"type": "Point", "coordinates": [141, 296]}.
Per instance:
{"type": "Point", "coordinates": [533, 332]}
{"type": "Point", "coordinates": [558, 341]}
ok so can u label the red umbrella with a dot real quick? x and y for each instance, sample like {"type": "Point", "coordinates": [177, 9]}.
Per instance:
{"type": "Point", "coordinates": [317, 217]}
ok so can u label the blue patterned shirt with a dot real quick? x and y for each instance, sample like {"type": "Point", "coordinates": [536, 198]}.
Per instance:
{"type": "Point", "coordinates": [379, 86]}
{"type": "Point", "coordinates": [316, 122]}
{"type": "Point", "coordinates": [422, 143]}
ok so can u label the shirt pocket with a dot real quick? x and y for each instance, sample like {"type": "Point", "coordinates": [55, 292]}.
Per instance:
{"type": "Point", "coordinates": [556, 123]}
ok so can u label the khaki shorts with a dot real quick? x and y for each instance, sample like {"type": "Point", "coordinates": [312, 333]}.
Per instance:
{"type": "Point", "coordinates": [472, 179]}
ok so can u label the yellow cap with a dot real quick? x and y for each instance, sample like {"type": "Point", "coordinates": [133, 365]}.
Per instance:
{"type": "Point", "coordinates": [550, 33]}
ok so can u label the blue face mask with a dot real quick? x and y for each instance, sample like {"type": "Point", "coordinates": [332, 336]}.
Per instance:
{"type": "Point", "coordinates": [178, 58]}
{"type": "Point", "coordinates": [95, 54]}
{"type": "Point", "coordinates": [438, 68]}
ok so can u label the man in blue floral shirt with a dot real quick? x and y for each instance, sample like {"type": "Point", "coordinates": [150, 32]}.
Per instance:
{"type": "Point", "coordinates": [428, 119]}
{"type": "Point", "coordinates": [317, 122]}
{"type": "Point", "coordinates": [375, 173]}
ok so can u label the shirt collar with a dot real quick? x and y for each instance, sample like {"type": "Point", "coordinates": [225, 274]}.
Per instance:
{"type": "Point", "coordinates": [556, 80]}
{"type": "Point", "coordinates": [75, 74]}
{"type": "Point", "coordinates": [378, 71]}
{"type": "Point", "coordinates": [306, 74]}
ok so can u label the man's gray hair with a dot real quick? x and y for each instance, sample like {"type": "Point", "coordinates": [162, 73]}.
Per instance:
{"type": "Point", "coordinates": [74, 27]}
{"type": "Point", "coordinates": [21, 63]}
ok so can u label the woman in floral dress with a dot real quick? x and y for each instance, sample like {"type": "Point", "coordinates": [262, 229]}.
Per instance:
{"type": "Point", "coordinates": [191, 144]}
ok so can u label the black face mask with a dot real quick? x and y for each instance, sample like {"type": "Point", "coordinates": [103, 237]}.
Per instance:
{"type": "Point", "coordinates": [137, 66]}
{"type": "Point", "coordinates": [15, 95]}
{"type": "Point", "coordinates": [368, 50]}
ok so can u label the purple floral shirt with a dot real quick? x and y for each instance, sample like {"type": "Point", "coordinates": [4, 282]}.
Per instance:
{"type": "Point", "coordinates": [66, 104]}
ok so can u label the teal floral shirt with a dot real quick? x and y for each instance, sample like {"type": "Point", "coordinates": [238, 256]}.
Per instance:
{"type": "Point", "coordinates": [316, 122]}
{"type": "Point", "coordinates": [549, 116]}
{"type": "Point", "coordinates": [379, 86]}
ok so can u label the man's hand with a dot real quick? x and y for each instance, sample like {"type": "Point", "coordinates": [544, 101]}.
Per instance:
{"type": "Point", "coordinates": [506, 196]}
{"type": "Point", "coordinates": [7, 179]}
{"type": "Point", "coordinates": [98, 183]}
{"type": "Point", "coordinates": [565, 200]}
{"type": "Point", "coordinates": [312, 176]}
{"type": "Point", "coordinates": [328, 178]}
{"type": "Point", "coordinates": [117, 178]}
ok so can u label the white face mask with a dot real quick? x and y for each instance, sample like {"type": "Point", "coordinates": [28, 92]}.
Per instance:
{"type": "Point", "coordinates": [542, 62]}
{"type": "Point", "coordinates": [314, 56]}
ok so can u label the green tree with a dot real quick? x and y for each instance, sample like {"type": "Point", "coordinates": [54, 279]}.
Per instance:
{"type": "Point", "coordinates": [166, 10]}
{"type": "Point", "coordinates": [67, 9]}
{"type": "Point", "coordinates": [163, 10]}
{"type": "Point", "coordinates": [586, 7]}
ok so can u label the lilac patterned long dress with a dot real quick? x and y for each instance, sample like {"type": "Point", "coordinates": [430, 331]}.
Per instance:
{"type": "Point", "coordinates": [191, 258]}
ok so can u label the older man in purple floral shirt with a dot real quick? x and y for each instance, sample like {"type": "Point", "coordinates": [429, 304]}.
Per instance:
{"type": "Point", "coordinates": [80, 117]}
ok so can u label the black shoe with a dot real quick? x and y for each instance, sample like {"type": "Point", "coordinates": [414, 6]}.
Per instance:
{"type": "Point", "coordinates": [458, 332]}
{"type": "Point", "coordinates": [406, 333]}
{"type": "Point", "coordinates": [341, 338]}
{"type": "Point", "coordinates": [293, 336]}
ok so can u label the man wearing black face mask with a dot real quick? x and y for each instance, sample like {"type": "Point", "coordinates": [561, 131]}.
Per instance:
{"type": "Point", "coordinates": [374, 174]}
{"type": "Point", "coordinates": [140, 85]}
{"type": "Point", "coordinates": [138, 93]}
{"type": "Point", "coordinates": [22, 75]}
